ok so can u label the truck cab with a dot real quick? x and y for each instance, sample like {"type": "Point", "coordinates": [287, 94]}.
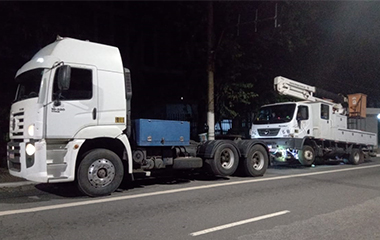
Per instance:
{"type": "Point", "coordinates": [49, 123]}
{"type": "Point", "coordinates": [283, 126]}
{"type": "Point", "coordinates": [282, 120]}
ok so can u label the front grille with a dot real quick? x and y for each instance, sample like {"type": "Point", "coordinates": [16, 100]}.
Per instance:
{"type": "Point", "coordinates": [13, 155]}
{"type": "Point", "coordinates": [268, 132]}
{"type": "Point", "coordinates": [16, 124]}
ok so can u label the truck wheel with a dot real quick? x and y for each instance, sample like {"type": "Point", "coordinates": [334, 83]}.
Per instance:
{"type": "Point", "coordinates": [356, 156]}
{"type": "Point", "coordinates": [319, 160]}
{"type": "Point", "coordinates": [306, 156]}
{"type": "Point", "coordinates": [99, 173]}
{"type": "Point", "coordinates": [226, 160]}
{"type": "Point", "coordinates": [256, 162]}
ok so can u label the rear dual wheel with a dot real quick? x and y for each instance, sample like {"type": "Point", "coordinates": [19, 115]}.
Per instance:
{"type": "Point", "coordinates": [256, 162]}
{"type": "Point", "coordinates": [226, 160]}
{"type": "Point", "coordinates": [356, 157]}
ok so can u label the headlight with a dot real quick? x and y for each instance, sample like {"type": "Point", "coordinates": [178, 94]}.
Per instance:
{"type": "Point", "coordinates": [285, 131]}
{"type": "Point", "coordinates": [30, 149]}
{"type": "Point", "coordinates": [31, 130]}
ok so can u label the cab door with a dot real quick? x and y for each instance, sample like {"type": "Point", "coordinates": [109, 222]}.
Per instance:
{"type": "Point", "coordinates": [71, 110]}
{"type": "Point", "coordinates": [325, 121]}
{"type": "Point", "coordinates": [304, 121]}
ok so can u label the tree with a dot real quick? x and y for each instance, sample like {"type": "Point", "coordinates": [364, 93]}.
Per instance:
{"type": "Point", "coordinates": [246, 61]}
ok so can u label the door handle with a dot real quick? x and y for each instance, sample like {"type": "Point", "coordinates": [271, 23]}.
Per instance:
{"type": "Point", "coordinates": [94, 114]}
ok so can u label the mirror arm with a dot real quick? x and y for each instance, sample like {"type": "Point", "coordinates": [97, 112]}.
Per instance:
{"type": "Point", "coordinates": [57, 101]}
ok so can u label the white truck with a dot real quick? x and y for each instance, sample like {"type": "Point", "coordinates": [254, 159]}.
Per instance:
{"type": "Point", "coordinates": [308, 131]}
{"type": "Point", "coordinates": [70, 121]}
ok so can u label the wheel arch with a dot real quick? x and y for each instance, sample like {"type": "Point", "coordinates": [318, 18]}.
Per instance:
{"type": "Point", "coordinates": [113, 144]}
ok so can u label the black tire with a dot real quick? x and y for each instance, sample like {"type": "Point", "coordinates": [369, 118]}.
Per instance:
{"type": "Point", "coordinates": [356, 157]}
{"type": "Point", "coordinates": [306, 156]}
{"type": "Point", "coordinates": [319, 161]}
{"type": "Point", "coordinates": [256, 162]}
{"type": "Point", "coordinates": [99, 173]}
{"type": "Point", "coordinates": [226, 160]}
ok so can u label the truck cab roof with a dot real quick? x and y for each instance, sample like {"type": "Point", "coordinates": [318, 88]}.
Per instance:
{"type": "Point", "coordinates": [70, 50]}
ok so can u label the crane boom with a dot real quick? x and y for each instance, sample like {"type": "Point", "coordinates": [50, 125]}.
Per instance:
{"type": "Point", "coordinates": [289, 87]}
{"type": "Point", "coordinates": [286, 86]}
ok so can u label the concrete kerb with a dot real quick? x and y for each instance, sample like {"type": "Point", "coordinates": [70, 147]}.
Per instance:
{"type": "Point", "coordinates": [16, 184]}
{"type": "Point", "coordinates": [7, 180]}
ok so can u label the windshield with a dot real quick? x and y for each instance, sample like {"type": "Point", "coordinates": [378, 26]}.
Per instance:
{"type": "Point", "coordinates": [29, 84]}
{"type": "Point", "coordinates": [275, 114]}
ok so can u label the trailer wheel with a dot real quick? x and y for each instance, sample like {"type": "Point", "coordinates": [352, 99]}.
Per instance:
{"type": "Point", "coordinates": [226, 160]}
{"type": "Point", "coordinates": [256, 162]}
{"type": "Point", "coordinates": [99, 173]}
{"type": "Point", "coordinates": [356, 157]}
{"type": "Point", "coordinates": [306, 156]}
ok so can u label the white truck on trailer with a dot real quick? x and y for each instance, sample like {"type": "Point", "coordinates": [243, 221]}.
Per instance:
{"type": "Point", "coordinates": [314, 129]}
{"type": "Point", "coordinates": [70, 121]}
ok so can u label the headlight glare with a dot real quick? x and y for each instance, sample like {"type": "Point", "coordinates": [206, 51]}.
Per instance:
{"type": "Point", "coordinates": [30, 149]}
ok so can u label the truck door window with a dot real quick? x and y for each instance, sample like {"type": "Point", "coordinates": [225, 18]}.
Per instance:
{"type": "Point", "coordinates": [325, 112]}
{"type": "Point", "coordinates": [303, 113]}
{"type": "Point", "coordinates": [80, 85]}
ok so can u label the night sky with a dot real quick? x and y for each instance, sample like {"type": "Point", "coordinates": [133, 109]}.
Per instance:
{"type": "Point", "coordinates": [348, 60]}
{"type": "Point", "coordinates": [344, 58]}
{"type": "Point", "coordinates": [163, 43]}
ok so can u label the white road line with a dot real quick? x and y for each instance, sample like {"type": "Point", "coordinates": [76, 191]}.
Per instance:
{"type": "Point", "coordinates": [234, 224]}
{"type": "Point", "coordinates": [112, 199]}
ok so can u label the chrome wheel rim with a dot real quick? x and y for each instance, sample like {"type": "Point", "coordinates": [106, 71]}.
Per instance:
{"type": "Point", "coordinates": [308, 155]}
{"type": "Point", "coordinates": [101, 173]}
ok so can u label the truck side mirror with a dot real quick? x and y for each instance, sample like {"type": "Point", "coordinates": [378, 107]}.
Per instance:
{"type": "Point", "coordinates": [64, 74]}
{"type": "Point", "coordinates": [63, 82]}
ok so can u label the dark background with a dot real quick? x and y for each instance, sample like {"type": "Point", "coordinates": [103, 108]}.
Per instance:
{"type": "Point", "coordinates": [332, 45]}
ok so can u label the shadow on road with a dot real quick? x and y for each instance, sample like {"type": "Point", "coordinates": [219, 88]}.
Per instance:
{"type": "Point", "coordinates": [66, 190]}
{"type": "Point", "coordinates": [70, 190]}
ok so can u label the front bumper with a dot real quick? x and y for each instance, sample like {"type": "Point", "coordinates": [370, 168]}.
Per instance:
{"type": "Point", "coordinates": [51, 162]}
{"type": "Point", "coordinates": [283, 150]}
{"type": "Point", "coordinates": [24, 166]}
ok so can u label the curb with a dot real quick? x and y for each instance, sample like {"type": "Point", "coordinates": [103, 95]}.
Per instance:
{"type": "Point", "coordinates": [16, 184]}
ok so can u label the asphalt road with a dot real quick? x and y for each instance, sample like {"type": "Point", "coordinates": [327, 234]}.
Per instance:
{"type": "Point", "coordinates": [289, 202]}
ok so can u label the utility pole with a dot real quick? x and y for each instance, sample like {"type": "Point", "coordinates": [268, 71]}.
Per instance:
{"type": "Point", "coordinates": [211, 52]}
{"type": "Point", "coordinates": [210, 72]}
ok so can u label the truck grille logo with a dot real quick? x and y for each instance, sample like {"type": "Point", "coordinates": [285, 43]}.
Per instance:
{"type": "Point", "coordinates": [268, 132]}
